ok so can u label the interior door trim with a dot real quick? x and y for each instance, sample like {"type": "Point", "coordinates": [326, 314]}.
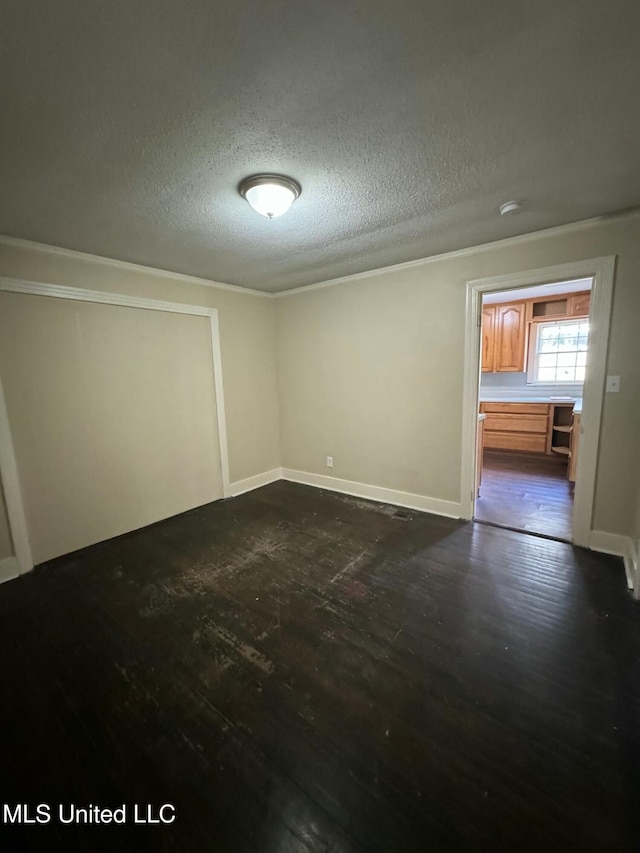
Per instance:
{"type": "Point", "coordinates": [602, 271]}
{"type": "Point", "coordinates": [8, 464]}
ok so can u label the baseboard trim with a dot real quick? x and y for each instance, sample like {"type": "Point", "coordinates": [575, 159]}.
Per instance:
{"type": "Point", "coordinates": [450, 509]}
{"type": "Point", "coordinates": [606, 543]}
{"type": "Point", "coordinates": [632, 568]}
{"type": "Point", "coordinates": [255, 482]}
{"type": "Point", "coordinates": [618, 546]}
{"type": "Point", "coordinates": [9, 569]}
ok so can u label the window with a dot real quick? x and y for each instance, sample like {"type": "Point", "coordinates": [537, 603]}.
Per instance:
{"type": "Point", "coordinates": [559, 351]}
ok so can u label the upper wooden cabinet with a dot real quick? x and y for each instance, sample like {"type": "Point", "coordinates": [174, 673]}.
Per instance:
{"type": "Point", "coordinates": [504, 337]}
{"type": "Point", "coordinates": [488, 337]}
{"type": "Point", "coordinates": [505, 328]}
{"type": "Point", "coordinates": [578, 304]}
{"type": "Point", "coordinates": [510, 337]}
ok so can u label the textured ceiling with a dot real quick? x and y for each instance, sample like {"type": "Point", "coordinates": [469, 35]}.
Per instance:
{"type": "Point", "coordinates": [127, 126]}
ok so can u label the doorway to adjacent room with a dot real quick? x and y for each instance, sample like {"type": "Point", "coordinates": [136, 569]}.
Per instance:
{"type": "Point", "coordinates": [535, 374]}
{"type": "Point", "coordinates": [533, 363]}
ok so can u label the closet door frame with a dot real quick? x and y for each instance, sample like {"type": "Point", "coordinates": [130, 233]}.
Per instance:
{"type": "Point", "coordinates": [9, 474]}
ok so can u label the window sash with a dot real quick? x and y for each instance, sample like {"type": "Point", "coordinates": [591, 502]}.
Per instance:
{"type": "Point", "coordinates": [555, 347]}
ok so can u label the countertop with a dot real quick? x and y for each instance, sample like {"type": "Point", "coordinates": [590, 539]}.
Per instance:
{"type": "Point", "coordinates": [577, 401]}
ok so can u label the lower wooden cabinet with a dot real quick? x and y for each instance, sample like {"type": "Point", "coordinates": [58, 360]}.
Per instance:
{"type": "Point", "coordinates": [548, 428]}
{"type": "Point", "coordinates": [515, 441]}
{"type": "Point", "coordinates": [516, 426]}
{"type": "Point", "coordinates": [573, 448]}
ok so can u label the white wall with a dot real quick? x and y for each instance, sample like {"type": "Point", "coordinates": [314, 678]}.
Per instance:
{"type": "Point", "coordinates": [370, 371]}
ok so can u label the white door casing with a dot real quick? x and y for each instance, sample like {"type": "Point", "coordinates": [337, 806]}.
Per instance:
{"type": "Point", "coordinates": [601, 270]}
{"type": "Point", "coordinates": [8, 464]}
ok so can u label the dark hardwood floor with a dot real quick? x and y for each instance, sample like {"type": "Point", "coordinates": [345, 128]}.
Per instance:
{"type": "Point", "coordinates": [296, 670]}
{"type": "Point", "coordinates": [527, 492]}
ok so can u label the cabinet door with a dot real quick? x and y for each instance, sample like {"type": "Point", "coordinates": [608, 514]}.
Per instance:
{"type": "Point", "coordinates": [510, 337]}
{"type": "Point", "coordinates": [578, 304]}
{"type": "Point", "coordinates": [488, 338]}
{"type": "Point", "coordinates": [573, 448]}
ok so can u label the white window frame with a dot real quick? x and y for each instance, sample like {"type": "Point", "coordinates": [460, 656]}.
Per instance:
{"type": "Point", "coordinates": [532, 360]}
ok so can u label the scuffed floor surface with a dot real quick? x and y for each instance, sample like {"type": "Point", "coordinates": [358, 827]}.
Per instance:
{"type": "Point", "coordinates": [296, 670]}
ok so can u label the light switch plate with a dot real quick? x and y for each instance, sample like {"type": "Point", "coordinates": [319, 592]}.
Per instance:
{"type": "Point", "coordinates": [613, 384]}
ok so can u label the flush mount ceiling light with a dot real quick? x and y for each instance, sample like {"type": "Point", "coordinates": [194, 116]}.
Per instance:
{"type": "Point", "coordinates": [270, 195]}
{"type": "Point", "coordinates": [510, 207]}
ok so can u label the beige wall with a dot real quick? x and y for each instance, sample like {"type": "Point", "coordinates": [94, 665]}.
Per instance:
{"type": "Point", "coordinates": [113, 417]}
{"type": "Point", "coordinates": [371, 371]}
{"type": "Point", "coordinates": [160, 488]}
{"type": "Point", "coordinates": [246, 334]}
{"type": "Point", "coordinates": [636, 532]}
{"type": "Point", "coordinates": [6, 545]}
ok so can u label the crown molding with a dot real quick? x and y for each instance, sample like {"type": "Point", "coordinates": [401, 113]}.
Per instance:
{"type": "Point", "coordinates": [461, 253]}
{"type": "Point", "coordinates": [20, 243]}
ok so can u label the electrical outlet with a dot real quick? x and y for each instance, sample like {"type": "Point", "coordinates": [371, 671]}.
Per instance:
{"type": "Point", "coordinates": [329, 461]}
{"type": "Point", "coordinates": [613, 384]}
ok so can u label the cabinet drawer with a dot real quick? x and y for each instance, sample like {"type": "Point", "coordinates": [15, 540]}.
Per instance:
{"type": "Point", "coordinates": [517, 408]}
{"type": "Point", "coordinates": [515, 441]}
{"type": "Point", "coordinates": [517, 423]}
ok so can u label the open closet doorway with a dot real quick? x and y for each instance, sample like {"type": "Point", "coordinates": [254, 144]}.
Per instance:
{"type": "Point", "coordinates": [525, 326]}
{"type": "Point", "coordinates": [532, 370]}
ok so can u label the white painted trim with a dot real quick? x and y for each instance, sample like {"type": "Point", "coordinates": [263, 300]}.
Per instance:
{"type": "Point", "coordinates": [459, 253]}
{"type": "Point", "coordinates": [618, 546]}
{"type": "Point", "coordinates": [9, 569]}
{"type": "Point", "coordinates": [8, 465]}
{"type": "Point", "coordinates": [12, 492]}
{"type": "Point", "coordinates": [240, 487]}
{"type": "Point", "coordinates": [602, 271]}
{"type": "Point", "coordinates": [634, 568]}
{"type": "Point", "coordinates": [374, 493]}
{"type": "Point", "coordinates": [31, 245]}
{"type": "Point", "coordinates": [218, 388]}
{"type": "Point", "coordinates": [21, 243]}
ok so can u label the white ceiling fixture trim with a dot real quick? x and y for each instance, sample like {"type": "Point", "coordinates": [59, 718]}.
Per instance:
{"type": "Point", "coordinates": [270, 195]}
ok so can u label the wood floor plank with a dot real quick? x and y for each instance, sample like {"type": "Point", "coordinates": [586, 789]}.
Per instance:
{"type": "Point", "coordinates": [526, 492]}
{"type": "Point", "coordinates": [300, 670]}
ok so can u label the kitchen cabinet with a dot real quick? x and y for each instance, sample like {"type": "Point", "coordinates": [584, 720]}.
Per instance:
{"type": "Point", "coordinates": [505, 328]}
{"type": "Point", "coordinates": [578, 304]}
{"type": "Point", "coordinates": [545, 428]}
{"type": "Point", "coordinates": [560, 433]}
{"type": "Point", "coordinates": [488, 338]}
{"type": "Point", "coordinates": [479, 452]}
{"type": "Point", "coordinates": [573, 448]}
{"type": "Point", "coordinates": [504, 338]}
{"type": "Point", "coordinates": [510, 338]}
{"type": "Point", "coordinates": [516, 426]}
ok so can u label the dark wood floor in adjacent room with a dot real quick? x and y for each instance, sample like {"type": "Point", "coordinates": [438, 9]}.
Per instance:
{"type": "Point", "coordinates": [297, 670]}
{"type": "Point", "coordinates": [527, 492]}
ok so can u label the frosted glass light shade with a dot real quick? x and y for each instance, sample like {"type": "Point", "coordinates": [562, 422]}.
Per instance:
{"type": "Point", "coordinates": [270, 195]}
